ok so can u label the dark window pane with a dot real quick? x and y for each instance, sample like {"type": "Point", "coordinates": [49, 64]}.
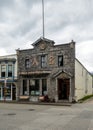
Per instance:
{"type": "Point", "coordinates": [3, 71]}
{"type": "Point", "coordinates": [9, 74]}
{"type": "Point", "coordinates": [27, 63]}
{"type": "Point", "coordinates": [44, 86]}
{"type": "Point", "coordinates": [2, 74]}
{"type": "Point", "coordinates": [9, 70]}
{"type": "Point", "coordinates": [34, 87]}
{"type": "Point", "coordinates": [24, 87]}
{"type": "Point", "coordinates": [60, 60]}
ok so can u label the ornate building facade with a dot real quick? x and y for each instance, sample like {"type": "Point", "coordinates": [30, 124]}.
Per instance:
{"type": "Point", "coordinates": [47, 69]}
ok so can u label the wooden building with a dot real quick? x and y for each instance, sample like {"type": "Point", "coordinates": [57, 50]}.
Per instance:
{"type": "Point", "coordinates": [8, 77]}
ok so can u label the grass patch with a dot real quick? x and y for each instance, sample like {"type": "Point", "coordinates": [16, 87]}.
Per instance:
{"type": "Point", "coordinates": [85, 98]}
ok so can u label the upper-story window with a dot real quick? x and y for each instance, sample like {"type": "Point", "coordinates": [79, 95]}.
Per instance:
{"type": "Point", "coordinates": [43, 61]}
{"type": "Point", "coordinates": [3, 70]}
{"type": "Point", "coordinates": [27, 63]}
{"type": "Point", "coordinates": [60, 60]}
{"type": "Point", "coordinates": [9, 70]}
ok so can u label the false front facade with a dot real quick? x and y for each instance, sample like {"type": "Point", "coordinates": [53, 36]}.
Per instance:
{"type": "Point", "coordinates": [8, 77]}
{"type": "Point", "coordinates": [47, 69]}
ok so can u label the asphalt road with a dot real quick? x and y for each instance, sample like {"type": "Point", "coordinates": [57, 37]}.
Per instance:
{"type": "Point", "coordinates": [46, 117]}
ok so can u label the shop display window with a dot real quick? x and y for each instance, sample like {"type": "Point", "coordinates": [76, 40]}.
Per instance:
{"type": "Point", "coordinates": [34, 87]}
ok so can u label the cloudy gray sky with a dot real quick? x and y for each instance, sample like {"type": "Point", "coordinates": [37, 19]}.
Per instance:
{"type": "Point", "coordinates": [21, 25]}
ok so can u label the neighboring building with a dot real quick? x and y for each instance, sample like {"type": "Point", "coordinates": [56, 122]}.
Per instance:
{"type": "Point", "coordinates": [83, 81]}
{"type": "Point", "coordinates": [52, 70]}
{"type": "Point", "coordinates": [8, 77]}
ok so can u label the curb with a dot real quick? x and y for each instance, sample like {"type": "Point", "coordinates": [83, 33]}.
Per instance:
{"type": "Point", "coordinates": [37, 103]}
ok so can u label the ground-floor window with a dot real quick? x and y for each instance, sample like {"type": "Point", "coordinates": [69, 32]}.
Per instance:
{"type": "Point", "coordinates": [6, 93]}
{"type": "Point", "coordinates": [38, 88]}
{"type": "Point", "coordinates": [34, 87]}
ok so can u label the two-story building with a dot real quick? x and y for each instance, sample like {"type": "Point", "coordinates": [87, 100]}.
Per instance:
{"type": "Point", "coordinates": [49, 69]}
{"type": "Point", "coordinates": [8, 77]}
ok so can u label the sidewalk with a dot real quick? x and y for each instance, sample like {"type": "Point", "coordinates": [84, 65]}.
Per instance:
{"type": "Point", "coordinates": [39, 103]}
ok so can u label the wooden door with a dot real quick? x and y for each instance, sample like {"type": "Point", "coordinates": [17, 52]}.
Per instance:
{"type": "Point", "coordinates": [63, 89]}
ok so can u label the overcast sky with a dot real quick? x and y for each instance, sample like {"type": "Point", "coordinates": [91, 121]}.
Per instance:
{"type": "Point", "coordinates": [21, 25]}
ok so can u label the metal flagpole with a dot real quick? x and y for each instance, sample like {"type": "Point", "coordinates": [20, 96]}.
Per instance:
{"type": "Point", "coordinates": [43, 18]}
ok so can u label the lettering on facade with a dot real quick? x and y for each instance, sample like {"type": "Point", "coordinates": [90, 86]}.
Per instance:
{"type": "Point", "coordinates": [51, 60]}
{"type": "Point", "coordinates": [34, 61]}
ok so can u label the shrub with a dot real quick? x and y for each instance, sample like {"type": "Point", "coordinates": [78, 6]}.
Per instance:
{"type": "Point", "coordinates": [85, 98]}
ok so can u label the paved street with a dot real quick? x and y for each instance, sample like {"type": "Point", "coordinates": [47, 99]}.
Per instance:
{"type": "Point", "coordinates": [46, 117]}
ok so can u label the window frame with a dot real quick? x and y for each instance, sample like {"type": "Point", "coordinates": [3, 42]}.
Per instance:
{"type": "Point", "coordinates": [10, 72]}
{"type": "Point", "coordinates": [43, 61]}
{"type": "Point", "coordinates": [35, 87]}
{"type": "Point", "coordinates": [60, 62]}
{"type": "Point", "coordinates": [3, 73]}
{"type": "Point", "coordinates": [27, 63]}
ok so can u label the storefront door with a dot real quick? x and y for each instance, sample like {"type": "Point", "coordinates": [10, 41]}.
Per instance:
{"type": "Point", "coordinates": [63, 89]}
